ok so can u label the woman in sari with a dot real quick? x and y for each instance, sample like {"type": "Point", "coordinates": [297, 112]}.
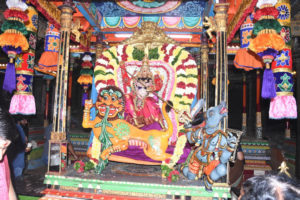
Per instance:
{"type": "Point", "coordinates": [8, 133]}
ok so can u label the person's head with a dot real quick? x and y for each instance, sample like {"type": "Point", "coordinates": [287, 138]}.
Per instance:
{"type": "Point", "coordinates": [20, 119]}
{"type": "Point", "coordinates": [270, 187]}
{"type": "Point", "coordinates": [8, 131]}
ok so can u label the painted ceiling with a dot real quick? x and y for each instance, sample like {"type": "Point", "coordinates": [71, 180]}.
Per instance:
{"type": "Point", "coordinates": [175, 8]}
{"type": "Point", "coordinates": [120, 18]}
{"type": "Point", "coordinates": [182, 20]}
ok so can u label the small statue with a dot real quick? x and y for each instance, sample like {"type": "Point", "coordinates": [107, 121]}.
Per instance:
{"type": "Point", "coordinates": [213, 148]}
{"type": "Point", "coordinates": [76, 26]}
{"type": "Point", "coordinates": [211, 23]}
{"type": "Point", "coordinates": [141, 109]}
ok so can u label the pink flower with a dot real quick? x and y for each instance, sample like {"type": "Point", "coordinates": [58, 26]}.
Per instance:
{"type": "Point", "coordinates": [168, 160]}
{"type": "Point", "coordinates": [79, 166]}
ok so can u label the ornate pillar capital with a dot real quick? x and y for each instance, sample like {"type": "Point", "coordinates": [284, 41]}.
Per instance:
{"type": "Point", "coordinates": [221, 16]}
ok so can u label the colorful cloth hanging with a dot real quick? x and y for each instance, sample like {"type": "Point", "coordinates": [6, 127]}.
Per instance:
{"type": "Point", "coordinates": [245, 59]}
{"type": "Point", "coordinates": [49, 58]}
{"type": "Point", "coordinates": [13, 40]}
{"type": "Point", "coordinates": [268, 42]}
{"type": "Point", "coordinates": [284, 104]}
{"type": "Point", "coordinates": [86, 75]}
{"type": "Point", "coordinates": [23, 101]}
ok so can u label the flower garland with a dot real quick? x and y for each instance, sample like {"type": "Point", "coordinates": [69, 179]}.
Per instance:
{"type": "Point", "coordinates": [178, 151]}
{"type": "Point", "coordinates": [81, 166]}
{"type": "Point", "coordinates": [86, 75]}
{"type": "Point", "coordinates": [186, 69]}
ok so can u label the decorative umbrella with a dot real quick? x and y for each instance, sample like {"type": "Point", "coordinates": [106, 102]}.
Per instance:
{"type": "Point", "coordinates": [245, 59]}
{"type": "Point", "coordinates": [23, 101]}
{"type": "Point", "coordinates": [284, 104]}
{"type": "Point", "coordinates": [86, 75]}
{"type": "Point", "coordinates": [49, 58]}
{"type": "Point", "coordinates": [267, 42]}
{"type": "Point", "coordinates": [12, 40]}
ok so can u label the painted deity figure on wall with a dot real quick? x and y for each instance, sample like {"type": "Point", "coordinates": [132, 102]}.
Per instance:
{"type": "Point", "coordinates": [141, 109]}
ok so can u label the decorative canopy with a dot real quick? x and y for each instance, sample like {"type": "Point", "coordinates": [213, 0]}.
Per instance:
{"type": "Point", "coordinates": [182, 20]}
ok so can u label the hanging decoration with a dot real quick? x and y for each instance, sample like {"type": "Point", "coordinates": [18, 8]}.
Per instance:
{"type": "Point", "coordinates": [268, 42]}
{"type": "Point", "coordinates": [284, 104]}
{"type": "Point", "coordinates": [13, 40]}
{"type": "Point", "coordinates": [49, 58]}
{"type": "Point", "coordinates": [245, 59]}
{"type": "Point", "coordinates": [23, 101]}
{"type": "Point", "coordinates": [86, 75]}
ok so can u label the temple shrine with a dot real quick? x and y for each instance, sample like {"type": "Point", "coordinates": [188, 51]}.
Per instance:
{"type": "Point", "coordinates": [145, 99]}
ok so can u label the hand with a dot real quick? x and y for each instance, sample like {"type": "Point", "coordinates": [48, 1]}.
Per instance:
{"type": "Point", "coordinates": [88, 104]}
{"type": "Point", "coordinates": [28, 147]}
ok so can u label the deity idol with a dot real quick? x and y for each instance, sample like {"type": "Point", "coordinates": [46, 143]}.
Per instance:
{"type": "Point", "coordinates": [141, 109]}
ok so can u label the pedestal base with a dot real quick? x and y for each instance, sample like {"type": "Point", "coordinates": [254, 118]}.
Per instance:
{"type": "Point", "coordinates": [120, 180]}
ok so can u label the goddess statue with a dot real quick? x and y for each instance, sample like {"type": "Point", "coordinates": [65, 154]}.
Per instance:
{"type": "Point", "coordinates": [141, 109]}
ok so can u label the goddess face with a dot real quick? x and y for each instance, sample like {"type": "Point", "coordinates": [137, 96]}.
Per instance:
{"type": "Point", "coordinates": [143, 87]}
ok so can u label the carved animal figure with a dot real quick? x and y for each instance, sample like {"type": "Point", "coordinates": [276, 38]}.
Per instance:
{"type": "Point", "coordinates": [214, 148]}
{"type": "Point", "coordinates": [76, 26]}
{"type": "Point", "coordinates": [116, 134]}
{"type": "Point", "coordinates": [211, 24]}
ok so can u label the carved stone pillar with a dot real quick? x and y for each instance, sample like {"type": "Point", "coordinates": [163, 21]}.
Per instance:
{"type": "Point", "coordinates": [204, 71]}
{"type": "Point", "coordinates": [221, 91]}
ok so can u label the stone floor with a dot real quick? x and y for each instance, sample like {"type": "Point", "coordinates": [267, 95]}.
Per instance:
{"type": "Point", "coordinates": [31, 184]}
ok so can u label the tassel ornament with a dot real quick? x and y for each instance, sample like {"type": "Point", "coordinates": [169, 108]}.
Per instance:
{"type": "Point", "coordinates": [268, 85]}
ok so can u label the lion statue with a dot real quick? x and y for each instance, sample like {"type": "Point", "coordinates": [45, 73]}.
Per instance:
{"type": "Point", "coordinates": [115, 134]}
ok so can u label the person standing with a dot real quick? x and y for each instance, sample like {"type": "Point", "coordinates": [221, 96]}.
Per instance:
{"type": "Point", "coordinates": [8, 133]}
{"type": "Point", "coordinates": [16, 153]}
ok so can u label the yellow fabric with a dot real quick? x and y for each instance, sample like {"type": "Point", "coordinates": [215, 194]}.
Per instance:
{"type": "Point", "coordinates": [264, 41]}
{"type": "Point", "coordinates": [14, 39]}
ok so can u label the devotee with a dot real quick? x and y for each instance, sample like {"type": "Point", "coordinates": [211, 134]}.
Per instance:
{"type": "Point", "coordinates": [270, 187]}
{"type": "Point", "coordinates": [236, 171]}
{"type": "Point", "coordinates": [16, 153]}
{"type": "Point", "coordinates": [8, 133]}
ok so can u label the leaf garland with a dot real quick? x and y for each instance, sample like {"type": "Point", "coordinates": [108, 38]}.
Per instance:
{"type": "Point", "coordinates": [104, 139]}
{"type": "Point", "coordinates": [113, 56]}
{"type": "Point", "coordinates": [14, 24]}
{"type": "Point", "coordinates": [176, 57]}
{"type": "Point", "coordinates": [153, 53]}
{"type": "Point", "coordinates": [138, 54]}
